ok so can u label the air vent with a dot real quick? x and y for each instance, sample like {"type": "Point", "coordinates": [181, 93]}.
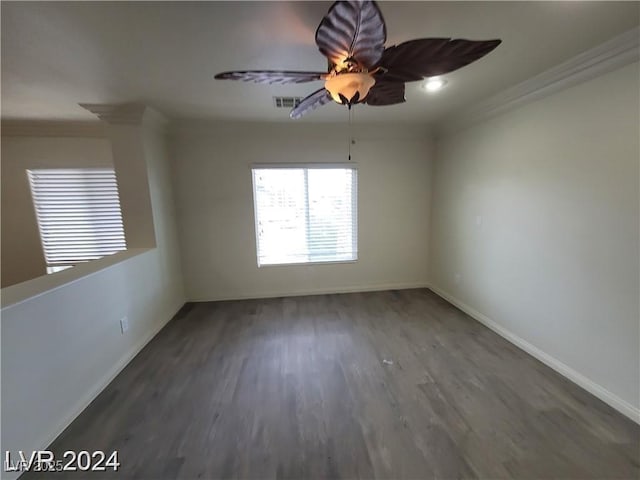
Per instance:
{"type": "Point", "coordinates": [287, 102]}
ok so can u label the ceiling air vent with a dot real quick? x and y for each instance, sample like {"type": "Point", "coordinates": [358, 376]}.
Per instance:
{"type": "Point", "coordinates": [287, 102]}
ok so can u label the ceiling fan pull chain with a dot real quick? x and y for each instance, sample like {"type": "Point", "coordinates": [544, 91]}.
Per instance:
{"type": "Point", "coordinates": [350, 133]}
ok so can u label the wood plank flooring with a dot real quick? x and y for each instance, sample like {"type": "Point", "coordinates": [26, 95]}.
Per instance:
{"type": "Point", "coordinates": [393, 385]}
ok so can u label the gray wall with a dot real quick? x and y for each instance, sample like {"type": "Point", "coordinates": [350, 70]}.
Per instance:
{"type": "Point", "coordinates": [22, 256]}
{"type": "Point", "coordinates": [535, 228]}
{"type": "Point", "coordinates": [62, 345]}
{"type": "Point", "coordinates": [214, 199]}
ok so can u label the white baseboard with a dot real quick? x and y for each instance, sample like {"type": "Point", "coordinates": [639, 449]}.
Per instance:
{"type": "Point", "coordinates": [320, 291]}
{"type": "Point", "coordinates": [102, 383]}
{"type": "Point", "coordinates": [590, 386]}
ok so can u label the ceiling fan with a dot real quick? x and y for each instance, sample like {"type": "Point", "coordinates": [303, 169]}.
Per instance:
{"type": "Point", "coordinates": [361, 70]}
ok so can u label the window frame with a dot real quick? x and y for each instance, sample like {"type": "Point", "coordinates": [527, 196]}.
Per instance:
{"type": "Point", "coordinates": [316, 166]}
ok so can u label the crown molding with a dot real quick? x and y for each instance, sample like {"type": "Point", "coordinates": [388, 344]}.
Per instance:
{"type": "Point", "coordinates": [325, 130]}
{"type": "Point", "coordinates": [52, 128]}
{"type": "Point", "coordinates": [606, 57]}
{"type": "Point", "coordinates": [116, 114]}
{"type": "Point", "coordinates": [128, 114]}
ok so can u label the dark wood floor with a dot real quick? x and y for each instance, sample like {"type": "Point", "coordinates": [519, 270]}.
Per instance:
{"type": "Point", "coordinates": [300, 388]}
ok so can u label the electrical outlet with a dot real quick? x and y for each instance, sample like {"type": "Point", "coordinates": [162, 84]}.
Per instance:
{"type": "Point", "coordinates": [478, 220]}
{"type": "Point", "coordinates": [457, 278]}
{"type": "Point", "coordinates": [124, 324]}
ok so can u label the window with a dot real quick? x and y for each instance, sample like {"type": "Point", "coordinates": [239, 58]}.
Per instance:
{"type": "Point", "coordinates": [78, 213]}
{"type": "Point", "coordinates": [305, 214]}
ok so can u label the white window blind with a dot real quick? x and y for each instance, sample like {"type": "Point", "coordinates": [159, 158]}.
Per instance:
{"type": "Point", "coordinates": [78, 213]}
{"type": "Point", "coordinates": [305, 214]}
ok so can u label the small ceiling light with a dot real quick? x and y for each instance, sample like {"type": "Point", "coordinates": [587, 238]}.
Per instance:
{"type": "Point", "coordinates": [434, 84]}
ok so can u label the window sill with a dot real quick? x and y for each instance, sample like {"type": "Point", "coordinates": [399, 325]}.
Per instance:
{"type": "Point", "coordinates": [308, 264]}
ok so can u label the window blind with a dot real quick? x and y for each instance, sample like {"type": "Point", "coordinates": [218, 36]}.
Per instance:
{"type": "Point", "coordinates": [78, 213]}
{"type": "Point", "coordinates": [305, 214]}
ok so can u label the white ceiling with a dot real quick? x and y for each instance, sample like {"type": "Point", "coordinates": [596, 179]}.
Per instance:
{"type": "Point", "coordinates": [165, 54]}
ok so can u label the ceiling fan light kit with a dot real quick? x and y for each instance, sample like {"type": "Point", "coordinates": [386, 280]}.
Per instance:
{"type": "Point", "coordinates": [361, 70]}
{"type": "Point", "coordinates": [349, 88]}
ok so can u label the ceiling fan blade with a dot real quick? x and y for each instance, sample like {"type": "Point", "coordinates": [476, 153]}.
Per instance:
{"type": "Point", "coordinates": [353, 29]}
{"type": "Point", "coordinates": [310, 103]}
{"type": "Point", "coordinates": [427, 57]}
{"type": "Point", "coordinates": [385, 93]}
{"type": "Point", "coordinates": [269, 77]}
